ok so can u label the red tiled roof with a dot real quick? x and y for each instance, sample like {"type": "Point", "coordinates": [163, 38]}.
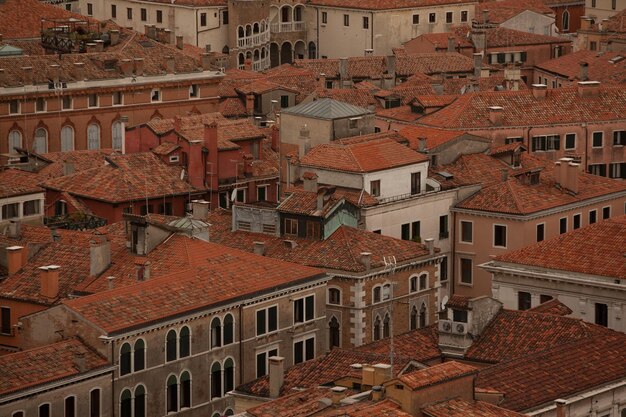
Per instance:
{"type": "Point", "coordinates": [359, 198]}
{"type": "Point", "coordinates": [22, 18]}
{"type": "Point", "coordinates": [165, 148]}
{"type": "Point", "coordinates": [384, 4]}
{"type": "Point", "coordinates": [535, 380]}
{"type": "Point", "coordinates": [606, 67]}
{"type": "Point", "coordinates": [195, 3]}
{"type": "Point", "coordinates": [50, 363]}
{"type": "Point", "coordinates": [501, 37]}
{"type": "Point", "coordinates": [419, 345]}
{"type": "Point", "coordinates": [458, 302]}
{"type": "Point", "coordinates": [362, 157]}
{"type": "Point", "coordinates": [232, 107]}
{"type": "Point", "coordinates": [615, 23]}
{"type": "Point", "coordinates": [597, 249]}
{"type": "Point", "coordinates": [458, 407]}
{"type": "Point", "coordinates": [126, 178]}
{"type": "Point", "coordinates": [434, 137]}
{"type": "Point", "coordinates": [502, 10]}
{"type": "Point", "coordinates": [553, 306]}
{"type": "Point", "coordinates": [260, 87]}
{"type": "Point", "coordinates": [162, 126]}
{"type": "Point", "coordinates": [304, 202]}
{"type": "Point", "coordinates": [15, 182]}
{"type": "Point", "coordinates": [216, 275]}
{"type": "Point", "coordinates": [433, 63]}
{"type": "Point", "coordinates": [440, 40]}
{"type": "Point", "coordinates": [356, 97]}
{"type": "Point", "coordinates": [436, 374]}
{"type": "Point", "coordinates": [401, 113]}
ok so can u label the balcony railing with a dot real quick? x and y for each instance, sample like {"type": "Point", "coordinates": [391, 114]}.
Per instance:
{"type": "Point", "coordinates": [258, 39]}
{"type": "Point", "coordinates": [262, 64]}
{"type": "Point", "coordinates": [283, 27]}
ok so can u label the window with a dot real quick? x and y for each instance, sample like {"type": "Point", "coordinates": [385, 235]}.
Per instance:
{"type": "Point", "coordinates": [5, 320]}
{"type": "Point", "coordinates": [432, 17]}
{"type": "Point", "coordinates": [216, 380]}
{"type": "Point", "coordinates": [416, 19]}
{"type": "Point", "coordinates": [14, 106]}
{"type": "Point", "coordinates": [40, 105]}
{"type": "Point", "coordinates": [576, 222]}
{"type": "Point", "coordinates": [170, 346]}
{"type": "Point", "coordinates": [416, 182]}
{"type": "Point", "coordinates": [565, 21]}
{"type": "Point", "coordinates": [466, 270]}
{"type": "Point", "coordinates": [541, 232]}
{"type": "Point", "coordinates": [93, 137]}
{"type": "Point", "coordinates": [597, 169]}
{"type": "Point", "coordinates": [291, 227]}
{"type": "Point", "coordinates": [172, 394]}
{"type": "Point", "coordinates": [463, 15]}
{"type": "Point", "coordinates": [303, 350]}
{"type": "Point", "coordinates": [406, 230]}
{"type": "Point", "coordinates": [593, 3]}
{"type": "Point", "coordinates": [376, 294]}
{"type": "Point", "coordinates": [413, 319]}
{"type": "Point", "coordinates": [443, 269]}
{"type": "Point", "coordinates": [139, 355]}
{"type": "Point", "coordinates": [563, 225]}
{"type": "Point", "coordinates": [67, 138]}
{"type": "Point", "coordinates": [324, 17]}
{"type": "Point", "coordinates": [449, 17]}
{"type": "Point", "coordinates": [546, 143]}
{"type": "Point", "coordinates": [593, 216]}
{"type": "Point", "coordinates": [31, 207]}
{"type": "Point", "coordinates": [18, 414]}
{"type": "Point", "coordinates": [125, 359]}
{"type": "Point", "coordinates": [386, 326]}
{"type": "Point", "coordinates": [262, 361]}
{"type": "Point", "coordinates": [116, 135]}
{"type": "Point", "coordinates": [304, 309]}
{"type": "Point", "coordinates": [203, 19]}
{"type": "Point", "coordinates": [366, 22]}
{"type": "Point", "coordinates": [240, 195]}
{"type": "Point", "coordinates": [467, 232]}
{"type": "Point", "coordinates": [619, 138]}
{"type": "Point", "coordinates": [89, 9]}
{"type": "Point", "coordinates": [334, 296]}
{"type": "Point", "coordinates": [543, 298]}
{"type": "Point", "coordinates": [413, 284]}
{"type": "Point", "coordinates": [261, 193]}
{"type": "Point", "coordinates": [94, 403]}
{"type": "Point", "coordinates": [225, 17]}
{"type": "Point", "coordinates": [118, 98]}
{"type": "Point", "coordinates": [229, 375]}
{"type": "Point", "coordinates": [499, 236]}
{"type": "Point", "coordinates": [129, 13]}
{"type": "Point", "coordinates": [415, 231]}
{"type": "Point", "coordinates": [66, 103]}
{"type": "Point", "coordinates": [155, 95]}
{"type": "Point", "coordinates": [602, 314]}
{"type": "Point", "coordinates": [423, 282]}
{"type": "Point", "coordinates": [459, 316]}
{"type": "Point", "coordinates": [113, 11]}
{"type": "Point", "coordinates": [159, 16]}
{"type": "Point", "coordinates": [44, 410]}
{"type": "Point", "coordinates": [613, 4]}
{"type": "Point", "coordinates": [523, 300]}
{"type": "Point", "coordinates": [185, 390]}
{"type": "Point", "coordinates": [346, 20]}
{"type": "Point", "coordinates": [10, 211]}
{"type": "Point", "coordinates": [443, 227]}
{"type": "Point", "coordinates": [228, 329]}
{"type": "Point", "coordinates": [126, 404]}
{"type": "Point", "coordinates": [143, 14]}
{"type": "Point", "coordinates": [266, 320]}
{"type": "Point", "coordinates": [15, 140]}
{"type": "Point", "coordinates": [593, 45]}
{"type": "Point", "coordinates": [216, 333]}
{"type": "Point", "coordinates": [284, 102]}
{"type": "Point", "coordinates": [140, 401]}
{"type": "Point", "coordinates": [92, 100]}
{"type": "Point", "coordinates": [334, 333]}
{"type": "Point", "coordinates": [184, 341]}
{"type": "Point", "coordinates": [194, 91]}
{"type": "Point", "coordinates": [597, 139]}
{"type": "Point", "coordinates": [377, 328]}
{"type": "Point", "coordinates": [353, 123]}
{"type": "Point", "coordinates": [617, 170]}
{"type": "Point", "coordinates": [570, 141]}
{"type": "Point", "coordinates": [375, 188]}
{"type": "Point", "coordinates": [606, 212]}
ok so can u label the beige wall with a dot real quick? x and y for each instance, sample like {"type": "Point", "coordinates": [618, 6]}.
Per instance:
{"type": "Point", "coordinates": [603, 8]}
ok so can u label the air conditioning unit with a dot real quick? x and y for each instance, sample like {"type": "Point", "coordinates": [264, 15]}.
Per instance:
{"type": "Point", "coordinates": [459, 328]}
{"type": "Point", "coordinates": [445, 326]}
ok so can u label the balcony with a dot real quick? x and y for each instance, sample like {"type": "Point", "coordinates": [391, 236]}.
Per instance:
{"type": "Point", "coordinates": [257, 39]}
{"type": "Point", "coordinates": [285, 27]}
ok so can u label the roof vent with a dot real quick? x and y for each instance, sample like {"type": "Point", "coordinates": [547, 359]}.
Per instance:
{"type": "Point", "coordinates": [290, 244]}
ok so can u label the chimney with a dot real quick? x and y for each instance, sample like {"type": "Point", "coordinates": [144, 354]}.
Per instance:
{"type": "Point", "coordinates": [390, 64]}
{"type": "Point", "coordinates": [99, 45]}
{"type": "Point", "coordinates": [142, 269]}
{"type": "Point", "coordinates": [430, 245]}
{"type": "Point", "coordinates": [15, 229]}
{"type": "Point", "coordinates": [290, 244]}
{"type": "Point", "coordinates": [247, 65]}
{"type": "Point", "coordinates": [563, 174]}
{"type": "Point", "coordinates": [557, 173]}
{"type": "Point", "coordinates": [79, 362]}
{"type": "Point", "coordinates": [322, 80]}
{"type": "Point", "coordinates": [167, 36]}
{"type": "Point", "coordinates": [91, 47]}
{"type": "Point", "coordinates": [572, 177]}
{"type": "Point", "coordinates": [421, 144]}
{"type": "Point", "coordinates": [79, 71]}
{"type": "Point", "coordinates": [343, 70]}
{"type": "Point", "coordinates": [126, 67]}
{"type": "Point", "coordinates": [147, 30]}
{"type": "Point", "coordinates": [114, 36]}
{"type": "Point", "coordinates": [199, 209]}
{"type": "Point", "coordinates": [207, 48]}
{"type": "Point", "coordinates": [16, 258]}
{"type": "Point", "coordinates": [539, 91]}
{"type": "Point", "coordinates": [496, 115]}
{"type": "Point", "coordinates": [277, 375]}
{"type": "Point", "coordinates": [588, 89]}
{"type": "Point", "coordinates": [486, 16]}
{"type": "Point", "coordinates": [451, 44]}
{"type": "Point", "coordinates": [54, 72]}
{"type": "Point", "coordinates": [138, 66]}
{"type": "Point", "coordinates": [179, 41]}
{"type": "Point", "coordinates": [320, 198]}
{"type": "Point", "coordinates": [49, 280]}
{"type": "Point", "coordinates": [367, 377]}
{"type": "Point", "coordinates": [170, 64]}
{"type": "Point", "coordinates": [210, 143]}
{"type": "Point", "coordinates": [338, 394]}
{"type": "Point", "coordinates": [561, 410]}
{"type": "Point", "coordinates": [99, 257]}
{"type": "Point", "coordinates": [275, 136]}
{"type": "Point", "coordinates": [478, 64]}
{"type": "Point", "coordinates": [382, 373]}
{"type": "Point", "coordinates": [512, 77]}
{"type": "Point", "coordinates": [585, 23]}
{"type": "Point", "coordinates": [250, 103]}
{"type": "Point", "coordinates": [377, 393]}
{"type": "Point", "coordinates": [584, 71]}
{"type": "Point", "coordinates": [206, 61]}
{"type": "Point", "coordinates": [505, 174]}
{"type": "Point", "coordinates": [259, 248]}
{"type": "Point", "coordinates": [110, 282]}
{"type": "Point", "coordinates": [366, 260]}
{"type": "Point", "coordinates": [28, 75]}
{"type": "Point", "coordinates": [310, 181]}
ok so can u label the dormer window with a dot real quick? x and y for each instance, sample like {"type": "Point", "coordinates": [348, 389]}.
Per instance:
{"type": "Point", "coordinates": [459, 316]}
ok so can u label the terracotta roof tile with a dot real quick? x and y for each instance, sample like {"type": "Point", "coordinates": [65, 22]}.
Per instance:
{"type": "Point", "coordinates": [15, 182]}
{"type": "Point", "coordinates": [401, 113]}
{"type": "Point", "coordinates": [434, 137]}
{"type": "Point", "coordinates": [606, 67]}
{"type": "Point", "coordinates": [553, 306]}
{"type": "Point", "coordinates": [420, 345]}
{"type": "Point", "coordinates": [503, 10]}
{"type": "Point", "coordinates": [458, 407]}
{"type": "Point", "coordinates": [354, 96]}
{"type": "Point", "coordinates": [436, 374]}
{"type": "Point", "coordinates": [383, 4]}
{"type": "Point", "coordinates": [433, 63]}
{"type": "Point", "coordinates": [22, 18]}
{"type": "Point", "coordinates": [305, 202]}
{"type": "Point", "coordinates": [615, 23]}
{"type": "Point", "coordinates": [458, 302]}
{"type": "Point", "coordinates": [502, 37]}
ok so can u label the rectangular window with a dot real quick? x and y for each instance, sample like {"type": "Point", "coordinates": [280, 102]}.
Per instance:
{"type": "Point", "coordinates": [129, 13]}
{"type": "Point", "coordinates": [313, 230]}
{"type": "Point", "coordinates": [619, 138]}
{"type": "Point", "coordinates": [432, 17]}
{"type": "Point", "coordinates": [613, 4]}
{"type": "Point", "coordinates": [602, 314]}
{"type": "Point", "coordinates": [202, 19]}
{"type": "Point", "coordinates": [240, 195]}
{"type": "Point", "coordinates": [262, 362]}
{"type": "Point", "coordinates": [597, 139]}
{"type": "Point", "coordinates": [463, 15]}
{"type": "Point", "coordinates": [303, 350]}
{"type": "Point", "coordinates": [89, 9]}
{"type": "Point", "coordinates": [145, 209]}
{"type": "Point", "coordinates": [375, 188]}
{"type": "Point", "coordinates": [466, 270]}
{"type": "Point", "coordinates": [194, 91]}
{"type": "Point", "coordinates": [617, 170]}
{"type": "Point", "coordinates": [546, 143]}
{"type": "Point", "coordinates": [94, 403]}
{"type": "Point", "coordinates": [466, 232]}
{"type": "Point", "coordinates": [443, 269]}
{"type": "Point", "coordinates": [346, 20]}
{"type": "Point", "coordinates": [415, 231]}
{"type": "Point", "coordinates": [324, 17]}
{"type": "Point", "coordinates": [606, 212]}
{"type": "Point", "coordinates": [67, 103]}
{"type": "Point", "coordinates": [93, 100]}
{"type": "Point", "coordinates": [406, 230]}
{"type": "Point", "coordinates": [291, 227]}
{"type": "Point", "coordinates": [593, 216]}
{"type": "Point", "coordinates": [31, 207]}
{"type": "Point", "coordinates": [416, 19]}
{"type": "Point", "coordinates": [284, 102]}
{"type": "Point", "coordinates": [113, 11]}
{"type": "Point", "coordinates": [261, 193]}
{"type": "Point", "coordinates": [366, 22]}
{"type": "Point", "coordinates": [40, 105]}
{"type": "Point", "coordinates": [10, 211]}
{"type": "Point", "coordinates": [523, 300]}
{"type": "Point", "coordinates": [266, 320]}
{"type": "Point", "coordinates": [416, 183]}
{"type": "Point", "coordinates": [459, 316]}
{"type": "Point", "coordinates": [225, 17]}
{"type": "Point", "coordinates": [143, 14]}
{"type": "Point", "coordinates": [304, 309]}
{"type": "Point", "coordinates": [499, 236]}
{"type": "Point", "coordinates": [443, 227]}
{"type": "Point", "coordinates": [159, 16]}
{"type": "Point", "coordinates": [541, 232]}
{"type": "Point", "coordinates": [570, 141]}
{"type": "Point", "coordinates": [118, 98]}
{"type": "Point", "coordinates": [563, 225]}
{"type": "Point", "coordinates": [165, 208]}
{"type": "Point", "coordinates": [5, 320]}
{"type": "Point", "coordinates": [449, 17]}
{"type": "Point", "coordinates": [597, 169]}
{"type": "Point", "coordinates": [14, 106]}
{"type": "Point", "coordinates": [155, 95]}
{"type": "Point", "coordinates": [576, 222]}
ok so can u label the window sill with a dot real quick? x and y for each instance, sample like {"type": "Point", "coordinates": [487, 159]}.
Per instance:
{"type": "Point", "coordinates": [466, 284]}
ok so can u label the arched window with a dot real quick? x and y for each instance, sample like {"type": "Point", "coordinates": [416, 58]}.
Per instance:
{"type": "Point", "coordinates": [170, 346]}
{"type": "Point", "coordinates": [15, 140]}
{"type": "Point", "coordinates": [216, 333]}
{"type": "Point", "coordinates": [413, 284]}
{"type": "Point", "coordinates": [93, 136]}
{"type": "Point", "coordinates": [126, 406]}
{"type": "Point", "coordinates": [185, 342]}
{"type": "Point", "coordinates": [255, 28]}
{"type": "Point", "coordinates": [312, 50]}
{"type": "Point", "coordinates": [139, 355]}
{"type": "Point", "coordinates": [225, 50]}
{"type": "Point", "coordinates": [377, 328]}
{"type": "Point", "coordinates": [565, 21]}
{"type": "Point", "coordinates": [248, 30]}
{"type": "Point", "coordinates": [285, 14]}
{"type": "Point", "coordinates": [185, 390]}
{"type": "Point", "coordinates": [229, 375]}
{"type": "Point", "coordinates": [140, 401]}
{"type": "Point", "coordinates": [334, 332]}
{"type": "Point", "coordinates": [297, 14]}
{"type": "Point", "coordinates": [216, 380]}
{"type": "Point", "coordinates": [116, 135]}
{"type": "Point", "coordinates": [40, 144]}
{"type": "Point", "coordinates": [241, 59]}
{"type": "Point", "coordinates": [423, 282]}
{"type": "Point", "coordinates": [334, 296]}
{"type": "Point", "coordinates": [240, 32]}
{"type": "Point", "coordinates": [413, 321]}
{"type": "Point", "coordinates": [229, 329]}
{"type": "Point", "coordinates": [422, 316]}
{"type": "Point", "coordinates": [125, 359]}
{"type": "Point", "coordinates": [386, 325]}
{"type": "Point", "coordinates": [67, 139]}
{"type": "Point", "coordinates": [172, 394]}
{"type": "Point", "coordinates": [256, 55]}
{"type": "Point", "coordinates": [376, 297]}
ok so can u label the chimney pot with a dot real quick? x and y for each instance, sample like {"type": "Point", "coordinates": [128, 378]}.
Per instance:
{"type": "Point", "coordinates": [338, 394]}
{"type": "Point", "coordinates": [114, 36]}
{"type": "Point", "coordinates": [79, 71]}
{"type": "Point", "coordinates": [206, 61]}
{"type": "Point", "coordinates": [539, 91]}
{"type": "Point", "coordinates": [16, 258]}
{"type": "Point", "coordinates": [496, 115]}
{"type": "Point", "coordinates": [430, 245]}
{"type": "Point", "coordinates": [79, 362]}
{"type": "Point", "coordinates": [584, 71]}
{"type": "Point", "coordinates": [49, 281]}
{"type": "Point", "coordinates": [451, 43]}
{"type": "Point", "coordinates": [138, 66]}
{"type": "Point", "coordinates": [179, 41]}
{"type": "Point", "coordinates": [110, 282]}
{"type": "Point", "coordinates": [15, 229]}
{"type": "Point", "coordinates": [277, 375]}
{"type": "Point", "coordinates": [199, 209]}
{"type": "Point", "coordinates": [377, 393]}
{"type": "Point", "coordinates": [310, 181]}
{"type": "Point", "coordinates": [478, 64]}
{"type": "Point", "coordinates": [100, 257]}
{"type": "Point", "coordinates": [561, 410]}
{"type": "Point", "coordinates": [421, 143]}
{"type": "Point", "coordinates": [28, 75]}
{"type": "Point", "coordinates": [366, 260]}
{"type": "Point", "coordinates": [259, 248]}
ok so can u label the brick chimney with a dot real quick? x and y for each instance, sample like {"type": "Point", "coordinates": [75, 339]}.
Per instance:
{"type": "Point", "coordinates": [28, 75]}
{"type": "Point", "coordinates": [49, 281]}
{"type": "Point", "coordinates": [343, 70]}
{"type": "Point", "coordinates": [539, 91]}
{"type": "Point", "coordinates": [259, 248]}
{"type": "Point", "coordinates": [588, 89]}
{"type": "Point", "coordinates": [377, 393]}
{"type": "Point", "coordinates": [142, 269]}
{"type": "Point", "coordinates": [572, 177]}
{"type": "Point", "coordinates": [451, 43]}
{"type": "Point", "coordinates": [557, 173]}
{"type": "Point", "coordinates": [322, 80]}
{"type": "Point", "coordinates": [79, 362]}
{"type": "Point", "coordinates": [366, 260]}
{"type": "Point", "coordinates": [114, 36]}
{"type": "Point", "coordinates": [478, 64]}
{"type": "Point", "coordinates": [210, 142]}
{"type": "Point", "coordinates": [584, 71]}
{"type": "Point", "coordinates": [421, 144]}
{"type": "Point", "coordinates": [320, 198]}
{"type": "Point", "coordinates": [585, 23]}
{"type": "Point", "coordinates": [99, 256]}
{"type": "Point", "coordinates": [99, 45]}
{"type": "Point", "coordinates": [16, 258]}
{"type": "Point", "coordinates": [206, 61]}
{"type": "Point", "coordinates": [390, 65]}
{"type": "Point", "coordinates": [170, 64]}
{"type": "Point", "coordinates": [53, 72]}
{"type": "Point", "coordinates": [496, 115]}
{"type": "Point", "coordinates": [138, 66]}
{"type": "Point", "coordinates": [430, 245]}
{"type": "Point", "coordinates": [561, 408]}
{"type": "Point", "coordinates": [276, 375]}
{"type": "Point", "coordinates": [310, 181]}
{"type": "Point", "coordinates": [199, 209]}
{"type": "Point", "coordinates": [79, 71]}
{"type": "Point", "coordinates": [382, 373]}
{"type": "Point", "coordinates": [250, 104]}
{"type": "Point", "coordinates": [126, 67]}
{"type": "Point", "coordinates": [275, 134]}
{"type": "Point", "coordinates": [337, 394]}
{"type": "Point", "coordinates": [179, 41]}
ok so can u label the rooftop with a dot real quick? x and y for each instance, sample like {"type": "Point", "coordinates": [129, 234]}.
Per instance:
{"type": "Point", "coordinates": [15, 182]}
{"type": "Point", "coordinates": [420, 345]}
{"type": "Point", "coordinates": [503, 10]}
{"type": "Point", "coordinates": [385, 4]}
{"type": "Point", "coordinates": [436, 374]}
{"type": "Point", "coordinates": [327, 109]}
{"type": "Point", "coordinates": [458, 407]}
{"type": "Point", "coordinates": [606, 67]}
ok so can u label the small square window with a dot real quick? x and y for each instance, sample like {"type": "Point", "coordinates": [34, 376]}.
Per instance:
{"type": "Point", "coordinates": [155, 95]}
{"type": "Point", "coordinates": [449, 17]}
{"type": "Point", "coordinates": [593, 216]}
{"type": "Point", "coordinates": [159, 16]}
{"type": "Point", "coordinates": [576, 222]}
{"type": "Point", "coordinates": [14, 107]}
{"type": "Point", "coordinates": [563, 225]}
{"type": "Point", "coordinates": [416, 19]}
{"type": "Point", "coordinates": [284, 102]}
{"type": "Point", "coordinates": [194, 91]}
{"type": "Point", "coordinates": [40, 105]}
{"type": "Point", "coordinates": [570, 141]}
{"type": "Point", "coordinates": [66, 102]}
{"type": "Point", "coordinates": [541, 232]}
{"type": "Point", "coordinates": [375, 188]}
{"type": "Point", "coordinates": [118, 98]}
{"type": "Point", "coordinates": [606, 212]}
{"type": "Point", "coordinates": [93, 100]}
{"type": "Point", "coordinates": [346, 20]}
{"type": "Point", "coordinates": [597, 139]}
{"type": "Point", "coordinates": [291, 227]}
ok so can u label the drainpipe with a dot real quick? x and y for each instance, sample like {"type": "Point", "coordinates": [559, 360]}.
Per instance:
{"type": "Point", "coordinates": [372, 32]}
{"type": "Point", "coordinates": [240, 344]}
{"type": "Point", "coordinates": [584, 126]}
{"type": "Point", "coordinates": [317, 50]}
{"type": "Point", "coordinates": [197, 33]}
{"type": "Point", "coordinates": [452, 277]}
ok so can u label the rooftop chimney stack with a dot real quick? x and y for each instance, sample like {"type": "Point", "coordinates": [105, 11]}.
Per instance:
{"type": "Point", "coordinates": [49, 281]}
{"type": "Point", "coordinates": [250, 104]}
{"type": "Point", "coordinates": [430, 245]}
{"type": "Point", "coordinates": [320, 198]}
{"type": "Point", "coordinates": [138, 66]}
{"type": "Point", "coordinates": [584, 71]}
{"type": "Point", "coordinates": [377, 393]}
{"type": "Point", "coordinates": [310, 181]}
{"type": "Point", "coordinates": [16, 258]}
{"type": "Point", "coordinates": [99, 257]}
{"type": "Point", "coordinates": [126, 67]}
{"type": "Point", "coordinates": [561, 408]}
{"type": "Point", "coordinates": [366, 260]}
{"type": "Point", "coordinates": [114, 36]}
{"type": "Point", "coordinates": [486, 16]}
{"type": "Point", "coordinates": [277, 375]}
{"type": "Point", "coordinates": [170, 64]}
{"type": "Point", "coordinates": [54, 70]}
{"type": "Point", "coordinates": [557, 174]}
{"type": "Point", "coordinates": [539, 91]}
{"type": "Point", "coordinates": [478, 64]}
{"type": "Point", "coordinates": [259, 248]}
{"type": "Point", "coordinates": [79, 362]}
{"type": "Point", "coordinates": [496, 115]}
{"type": "Point", "coordinates": [179, 41]}
{"type": "Point", "coordinates": [322, 80]}
{"type": "Point", "coordinates": [28, 75]}
{"type": "Point", "coordinates": [99, 45]}
{"type": "Point", "coordinates": [588, 89]}
{"type": "Point", "coordinates": [572, 177]}
{"type": "Point", "coordinates": [199, 209]}
{"type": "Point", "coordinates": [338, 394]}
{"type": "Point", "coordinates": [110, 282]}
{"type": "Point", "coordinates": [15, 229]}
{"type": "Point", "coordinates": [79, 71]}
{"type": "Point", "coordinates": [206, 61]}
{"type": "Point", "coordinates": [451, 44]}
{"type": "Point", "coordinates": [343, 70]}
{"type": "Point", "coordinates": [421, 144]}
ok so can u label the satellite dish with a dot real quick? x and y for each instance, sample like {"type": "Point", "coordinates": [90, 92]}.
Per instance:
{"type": "Point", "coordinates": [182, 174]}
{"type": "Point", "coordinates": [444, 302]}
